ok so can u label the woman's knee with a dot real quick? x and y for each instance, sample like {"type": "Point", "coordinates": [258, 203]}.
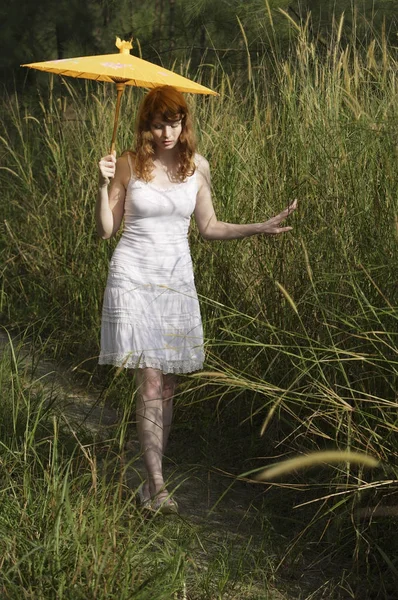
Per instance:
{"type": "Point", "coordinates": [149, 387]}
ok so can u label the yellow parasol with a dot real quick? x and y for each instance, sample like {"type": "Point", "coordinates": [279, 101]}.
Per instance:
{"type": "Point", "coordinates": [122, 69]}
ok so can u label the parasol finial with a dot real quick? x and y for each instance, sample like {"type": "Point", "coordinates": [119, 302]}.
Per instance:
{"type": "Point", "coordinates": [123, 46]}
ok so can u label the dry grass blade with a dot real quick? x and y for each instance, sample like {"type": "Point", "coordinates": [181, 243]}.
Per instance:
{"type": "Point", "coordinates": [316, 458]}
{"type": "Point", "coordinates": [287, 296]}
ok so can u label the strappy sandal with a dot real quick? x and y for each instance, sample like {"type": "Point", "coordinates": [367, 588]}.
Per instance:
{"type": "Point", "coordinates": [162, 503]}
{"type": "Point", "coordinates": [165, 506]}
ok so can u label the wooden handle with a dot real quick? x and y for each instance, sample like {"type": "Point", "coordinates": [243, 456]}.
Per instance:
{"type": "Point", "coordinates": [120, 89]}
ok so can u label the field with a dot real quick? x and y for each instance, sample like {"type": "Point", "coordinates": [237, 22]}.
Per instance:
{"type": "Point", "coordinates": [301, 337]}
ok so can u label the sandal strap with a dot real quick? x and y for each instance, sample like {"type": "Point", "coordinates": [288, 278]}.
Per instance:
{"type": "Point", "coordinates": [165, 505]}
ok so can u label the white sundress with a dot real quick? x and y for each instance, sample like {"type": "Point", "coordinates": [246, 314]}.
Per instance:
{"type": "Point", "coordinates": [151, 315]}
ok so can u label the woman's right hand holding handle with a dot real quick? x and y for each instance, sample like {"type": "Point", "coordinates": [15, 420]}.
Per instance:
{"type": "Point", "coordinates": [107, 168]}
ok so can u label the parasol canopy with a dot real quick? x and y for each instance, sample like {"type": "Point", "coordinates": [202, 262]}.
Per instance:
{"type": "Point", "coordinates": [122, 69]}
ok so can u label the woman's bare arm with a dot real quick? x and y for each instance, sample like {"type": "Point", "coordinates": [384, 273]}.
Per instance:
{"type": "Point", "coordinates": [212, 229]}
{"type": "Point", "coordinates": [109, 208]}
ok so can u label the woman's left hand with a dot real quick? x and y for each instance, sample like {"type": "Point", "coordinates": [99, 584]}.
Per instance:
{"type": "Point", "coordinates": [271, 227]}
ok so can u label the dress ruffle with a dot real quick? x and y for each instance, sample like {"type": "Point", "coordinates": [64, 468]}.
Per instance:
{"type": "Point", "coordinates": [129, 361]}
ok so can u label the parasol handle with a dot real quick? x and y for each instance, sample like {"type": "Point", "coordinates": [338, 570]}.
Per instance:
{"type": "Point", "coordinates": [120, 89]}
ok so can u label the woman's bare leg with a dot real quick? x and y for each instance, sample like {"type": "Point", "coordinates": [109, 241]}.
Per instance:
{"type": "Point", "coordinates": [168, 390]}
{"type": "Point", "coordinates": [150, 424]}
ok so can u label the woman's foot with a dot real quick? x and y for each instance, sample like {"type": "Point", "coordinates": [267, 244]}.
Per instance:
{"type": "Point", "coordinates": [164, 504]}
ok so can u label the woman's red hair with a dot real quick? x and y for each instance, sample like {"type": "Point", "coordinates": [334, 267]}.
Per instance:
{"type": "Point", "coordinates": [170, 104]}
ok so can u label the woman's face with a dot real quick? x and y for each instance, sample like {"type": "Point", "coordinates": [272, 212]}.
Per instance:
{"type": "Point", "coordinates": [165, 133]}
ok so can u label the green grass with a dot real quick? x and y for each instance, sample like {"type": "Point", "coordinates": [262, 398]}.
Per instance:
{"type": "Point", "coordinates": [301, 331]}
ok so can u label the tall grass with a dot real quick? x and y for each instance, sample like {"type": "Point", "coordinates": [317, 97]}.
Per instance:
{"type": "Point", "coordinates": [66, 532]}
{"type": "Point", "coordinates": [69, 524]}
{"type": "Point", "coordinates": [301, 330]}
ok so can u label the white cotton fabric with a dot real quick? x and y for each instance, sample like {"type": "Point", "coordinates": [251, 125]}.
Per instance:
{"type": "Point", "coordinates": [151, 315]}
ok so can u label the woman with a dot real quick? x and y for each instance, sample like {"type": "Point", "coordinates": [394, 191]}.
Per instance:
{"type": "Point", "coordinates": [151, 320]}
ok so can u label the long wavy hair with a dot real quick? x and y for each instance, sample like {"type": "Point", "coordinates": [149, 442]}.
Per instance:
{"type": "Point", "coordinates": [170, 104]}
